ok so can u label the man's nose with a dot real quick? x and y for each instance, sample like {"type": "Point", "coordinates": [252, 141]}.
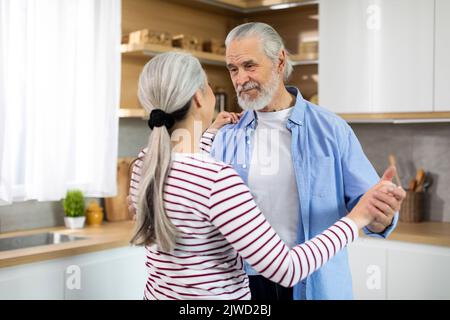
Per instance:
{"type": "Point", "coordinates": [241, 78]}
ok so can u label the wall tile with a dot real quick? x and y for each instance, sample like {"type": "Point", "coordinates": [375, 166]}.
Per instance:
{"type": "Point", "coordinates": [415, 146]}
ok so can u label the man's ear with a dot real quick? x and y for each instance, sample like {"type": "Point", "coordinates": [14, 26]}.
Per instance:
{"type": "Point", "coordinates": [282, 60]}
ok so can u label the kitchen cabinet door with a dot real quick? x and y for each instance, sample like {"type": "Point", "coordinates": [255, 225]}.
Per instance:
{"type": "Point", "coordinates": [418, 272]}
{"type": "Point", "coordinates": [345, 54]}
{"type": "Point", "coordinates": [376, 56]}
{"type": "Point", "coordinates": [403, 56]}
{"type": "Point", "coordinates": [108, 274]}
{"type": "Point", "coordinates": [367, 259]}
{"type": "Point", "coordinates": [34, 281]}
{"type": "Point", "coordinates": [117, 274]}
{"type": "Point", "coordinates": [442, 57]}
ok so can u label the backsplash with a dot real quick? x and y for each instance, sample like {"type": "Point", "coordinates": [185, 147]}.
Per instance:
{"type": "Point", "coordinates": [415, 145]}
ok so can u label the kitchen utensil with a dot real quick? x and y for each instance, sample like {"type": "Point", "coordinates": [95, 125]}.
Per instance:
{"type": "Point", "coordinates": [428, 181]}
{"type": "Point", "coordinates": [117, 207]}
{"type": "Point", "coordinates": [221, 101]}
{"type": "Point", "coordinates": [420, 179]}
{"type": "Point", "coordinates": [412, 184]}
{"type": "Point", "coordinates": [393, 162]}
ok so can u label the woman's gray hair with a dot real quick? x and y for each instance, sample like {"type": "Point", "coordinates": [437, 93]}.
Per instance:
{"type": "Point", "coordinates": [167, 82]}
{"type": "Point", "coordinates": [270, 40]}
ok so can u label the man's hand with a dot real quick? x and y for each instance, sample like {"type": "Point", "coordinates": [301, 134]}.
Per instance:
{"type": "Point", "coordinates": [378, 205]}
{"type": "Point", "coordinates": [131, 208]}
{"type": "Point", "coordinates": [224, 118]}
{"type": "Point", "coordinates": [386, 203]}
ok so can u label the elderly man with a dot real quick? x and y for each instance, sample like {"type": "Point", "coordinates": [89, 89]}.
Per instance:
{"type": "Point", "coordinates": [303, 164]}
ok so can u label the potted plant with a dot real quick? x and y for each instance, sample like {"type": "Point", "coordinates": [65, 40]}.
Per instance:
{"type": "Point", "coordinates": [74, 209]}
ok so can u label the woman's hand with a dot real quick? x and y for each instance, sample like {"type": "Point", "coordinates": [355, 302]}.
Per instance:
{"type": "Point", "coordinates": [378, 205]}
{"type": "Point", "coordinates": [224, 118]}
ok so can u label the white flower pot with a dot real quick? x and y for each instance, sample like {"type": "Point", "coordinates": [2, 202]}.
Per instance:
{"type": "Point", "coordinates": [74, 222]}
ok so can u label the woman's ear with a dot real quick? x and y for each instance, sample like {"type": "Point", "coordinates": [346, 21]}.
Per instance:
{"type": "Point", "coordinates": [198, 99]}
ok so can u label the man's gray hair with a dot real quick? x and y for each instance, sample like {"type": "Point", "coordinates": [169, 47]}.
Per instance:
{"type": "Point", "coordinates": [270, 40]}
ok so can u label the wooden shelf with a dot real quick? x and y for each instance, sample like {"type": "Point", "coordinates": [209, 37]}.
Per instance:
{"type": "Point", "coordinates": [132, 113]}
{"type": "Point", "coordinates": [298, 62]}
{"type": "Point", "coordinates": [150, 50]}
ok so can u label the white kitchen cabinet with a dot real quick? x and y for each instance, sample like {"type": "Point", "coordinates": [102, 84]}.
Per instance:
{"type": "Point", "coordinates": [442, 57]}
{"type": "Point", "coordinates": [118, 274]}
{"type": "Point", "coordinates": [403, 59]}
{"type": "Point", "coordinates": [376, 55]}
{"type": "Point", "coordinates": [41, 280]}
{"type": "Point", "coordinates": [385, 269]}
{"type": "Point", "coordinates": [345, 71]}
{"type": "Point", "coordinates": [368, 265]}
{"type": "Point", "coordinates": [108, 274]}
{"type": "Point", "coordinates": [418, 272]}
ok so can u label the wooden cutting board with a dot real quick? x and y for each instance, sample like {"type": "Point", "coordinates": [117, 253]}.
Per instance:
{"type": "Point", "coordinates": [116, 207]}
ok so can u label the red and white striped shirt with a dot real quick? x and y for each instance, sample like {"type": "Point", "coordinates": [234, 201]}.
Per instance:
{"type": "Point", "coordinates": [218, 226]}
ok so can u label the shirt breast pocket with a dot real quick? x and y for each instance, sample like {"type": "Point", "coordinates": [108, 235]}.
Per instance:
{"type": "Point", "coordinates": [322, 177]}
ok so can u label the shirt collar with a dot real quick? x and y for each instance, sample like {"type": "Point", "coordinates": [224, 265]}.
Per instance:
{"type": "Point", "coordinates": [298, 114]}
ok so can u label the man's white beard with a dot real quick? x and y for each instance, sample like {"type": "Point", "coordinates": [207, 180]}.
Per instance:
{"type": "Point", "coordinates": [265, 96]}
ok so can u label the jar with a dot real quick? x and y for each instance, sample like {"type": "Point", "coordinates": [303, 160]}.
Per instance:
{"type": "Point", "coordinates": [94, 214]}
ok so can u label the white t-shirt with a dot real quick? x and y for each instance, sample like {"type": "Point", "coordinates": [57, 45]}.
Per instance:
{"type": "Point", "coordinates": [272, 178]}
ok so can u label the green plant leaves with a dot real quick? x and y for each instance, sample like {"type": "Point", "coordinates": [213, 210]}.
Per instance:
{"type": "Point", "coordinates": [74, 203]}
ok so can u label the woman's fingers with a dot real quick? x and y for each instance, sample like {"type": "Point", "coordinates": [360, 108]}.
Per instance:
{"type": "Point", "coordinates": [388, 199]}
{"type": "Point", "coordinates": [374, 212]}
{"type": "Point", "coordinates": [381, 219]}
{"type": "Point", "coordinates": [399, 193]}
{"type": "Point", "coordinates": [388, 187]}
{"type": "Point", "coordinates": [229, 117]}
{"type": "Point", "coordinates": [386, 212]}
{"type": "Point", "coordinates": [385, 186]}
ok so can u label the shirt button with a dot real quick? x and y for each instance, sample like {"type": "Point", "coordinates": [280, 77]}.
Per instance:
{"type": "Point", "coordinates": [248, 141]}
{"type": "Point", "coordinates": [244, 166]}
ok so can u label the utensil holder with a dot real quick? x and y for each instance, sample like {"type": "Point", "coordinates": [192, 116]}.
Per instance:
{"type": "Point", "coordinates": [412, 209]}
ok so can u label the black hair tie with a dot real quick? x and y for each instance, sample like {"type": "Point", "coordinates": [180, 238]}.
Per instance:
{"type": "Point", "coordinates": [159, 118]}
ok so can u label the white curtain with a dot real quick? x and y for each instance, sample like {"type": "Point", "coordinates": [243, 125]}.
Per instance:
{"type": "Point", "coordinates": [59, 98]}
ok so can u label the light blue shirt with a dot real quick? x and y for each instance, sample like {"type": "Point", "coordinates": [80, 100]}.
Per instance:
{"type": "Point", "coordinates": [332, 173]}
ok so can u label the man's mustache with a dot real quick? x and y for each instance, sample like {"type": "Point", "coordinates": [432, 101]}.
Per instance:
{"type": "Point", "coordinates": [247, 86]}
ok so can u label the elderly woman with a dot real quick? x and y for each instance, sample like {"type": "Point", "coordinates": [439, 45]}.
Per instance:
{"type": "Point", "coordinates": [196, 217]}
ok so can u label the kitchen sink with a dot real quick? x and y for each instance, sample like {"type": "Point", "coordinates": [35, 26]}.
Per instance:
{"type": "Point", "coordinates": [34, 240]}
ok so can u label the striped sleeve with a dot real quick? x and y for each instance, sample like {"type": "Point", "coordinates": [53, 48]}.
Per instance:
{"type": "Point", "coordinates": [136, 178]}
{"type": "Point", "coordinates": [206, 141]}
{"type": "Point", "coordinates": [234, 212]}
